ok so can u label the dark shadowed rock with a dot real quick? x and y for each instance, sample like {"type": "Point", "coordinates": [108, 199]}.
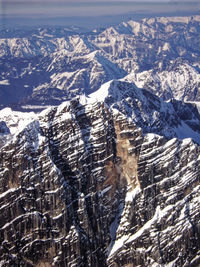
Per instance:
{"type": "Point", "coordinates": [3, 128]}
{"type": "Point", "coordinates": [84, 185]}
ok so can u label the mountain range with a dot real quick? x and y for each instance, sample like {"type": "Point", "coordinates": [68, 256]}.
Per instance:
{"type": "Point", "coordinates": [108, 172]}
{"type": "Point", "coordinates": [47, 66]}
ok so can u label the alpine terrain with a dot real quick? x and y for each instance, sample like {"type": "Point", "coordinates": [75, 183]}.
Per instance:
{"type": "Point", "coordinates": [100, 145]}
{"type": "Point", "coordinates": [49, 65]}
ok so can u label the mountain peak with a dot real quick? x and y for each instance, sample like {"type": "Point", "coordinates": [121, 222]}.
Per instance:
{"type": "Point", "coordinates": [98, 181]}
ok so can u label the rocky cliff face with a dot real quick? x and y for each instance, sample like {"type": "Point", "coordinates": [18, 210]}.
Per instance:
{"type": "Point", "coordinates": [89, 184]}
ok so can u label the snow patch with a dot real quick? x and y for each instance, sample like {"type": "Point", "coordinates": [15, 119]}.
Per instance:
{"type": "Point", "coordinates": [4, 82]}
{"type": "Point", "coordinates": [130, 195]}
{"type": "Point", "coordinates": [184, 131]}
{"type": "Point", "coordinates": [100, 94]}
{"type": "Point", "coordinates": [15, 120]}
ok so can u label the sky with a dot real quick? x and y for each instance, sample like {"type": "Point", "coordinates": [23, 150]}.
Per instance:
{"type": "Point", "coordinates": [90, 13]}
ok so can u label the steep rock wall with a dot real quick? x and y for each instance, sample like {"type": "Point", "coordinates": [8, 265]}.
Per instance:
{"type": "Point", "coordinates": [82, 186]}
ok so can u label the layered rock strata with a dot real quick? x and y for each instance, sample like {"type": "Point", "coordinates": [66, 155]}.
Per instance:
{"type": "Point", "coordinates": [83, 185]}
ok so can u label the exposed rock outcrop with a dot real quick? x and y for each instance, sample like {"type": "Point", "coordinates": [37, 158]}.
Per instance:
{"type": "Point", "coordinates": [85, 185]}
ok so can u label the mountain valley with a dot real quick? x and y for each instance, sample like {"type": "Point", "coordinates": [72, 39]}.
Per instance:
{"type": "Point", "coordinates": [47, 66]}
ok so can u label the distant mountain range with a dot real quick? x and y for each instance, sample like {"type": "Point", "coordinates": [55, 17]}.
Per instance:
{"type": "Point", "coordinates": [47, 66]}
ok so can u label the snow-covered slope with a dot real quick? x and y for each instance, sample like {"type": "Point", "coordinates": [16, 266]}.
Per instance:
{"type": "Point", "coordinates": [180, 81]}
{"type": "Point", "coordinates": [49, 66]}
{"type": "Point", "coordinates": [83, 74]}
{"type": "Point", "coordinates": [152, 114]}
{"type": "Point", "coordinates": [13, 122]}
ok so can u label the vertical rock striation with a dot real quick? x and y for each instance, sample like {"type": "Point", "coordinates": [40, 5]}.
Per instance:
{"type": "Point", "coordinates": [86, 185]}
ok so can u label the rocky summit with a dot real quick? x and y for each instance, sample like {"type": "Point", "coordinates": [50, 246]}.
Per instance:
{"type": "Point", "coordinates": [106, 180]}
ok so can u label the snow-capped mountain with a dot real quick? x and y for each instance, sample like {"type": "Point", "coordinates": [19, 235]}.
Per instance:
{"type": "Point", "coordinates": [16, 120]}
{"type": "Point", "coordinates": [47, 66]}
{"type": "Point", "coordinates": [91, 71]}
{"type": "Point", "coordinates": [170, 119]}
{"type": "Point", "coordinates": [180, 81]}
{"type": "Point", "coordinates": [12, 122]}
{"type": "Point", "coordinates": [111, 179]}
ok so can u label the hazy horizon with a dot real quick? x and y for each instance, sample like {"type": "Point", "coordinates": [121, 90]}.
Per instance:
{"type": "Point", "coordinates": [89, 14]}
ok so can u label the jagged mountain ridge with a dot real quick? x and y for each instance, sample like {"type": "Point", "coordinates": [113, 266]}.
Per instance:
{"type": "Point", "coordinates": [167, 118]}
{"type": "Point", "coordinates": [86, 183]}
{"type": "Point", "coordinates": [180, 81]}
{"type": "Point", "coordinates": [57, 65]}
